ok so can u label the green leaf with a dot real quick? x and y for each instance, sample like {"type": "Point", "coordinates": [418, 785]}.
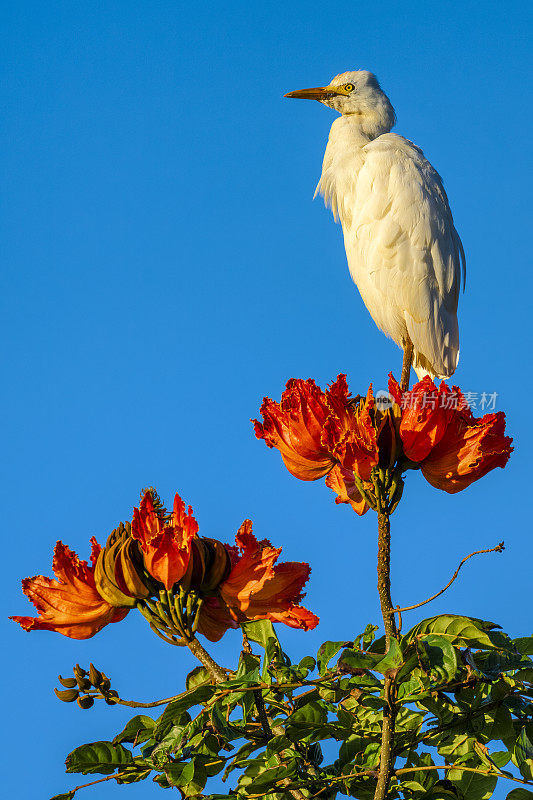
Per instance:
{"type": "Point", "coordinates": [392, 660]}
{"type": "Point", "coordinates": [351, 747]}
{"type": "Point", "coordinates": [326, 653]}
{"type": "Point", "coordinates": [260, 631]}
{"type": "Point", "coordinates": [524, 675]}
{"type": "Point", "coordinates": [307, 665]}
{"type": "Point", "coordinates": [523, 753]}
{"type": "Point", "coordinates": [494, 662]}
{"type": "Point", "coordinates": [472, 785]}
{"type": "Point", "coordinates": [365, 639]}
{"type": "Point", "coordinates": [524, 645]}
{"type": "Point", "coordinates": [439, 656]}
{"type": "Point", "coordinates": [515, 794]}
{"type": "Point", "coordinates": [311, 714]}
{"type": "Point", "coordinates": [137, 730]}
{"type": "Point", "coordinates": [356, 660]}
{"type": "Point", "coordinates": [64, 796]}
{"type": "Point", "coordinates": [248, 666]}
{"type": "Point", "coordinates": [197, 677]}
{"type": "Point", "coordinates": [462, 631]}
{"type": "Point", "coordinates": [135, 774]}
{"type": "Point", "coordinates": [269, 776]}
{"type": "Point", "coordinates": [175, 709]}
{"type": "Point", "coordinates": [100, 757]}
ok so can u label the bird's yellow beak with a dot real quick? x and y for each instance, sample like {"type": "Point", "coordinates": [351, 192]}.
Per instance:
{"type": "Point", "coordinates": [318, 93]}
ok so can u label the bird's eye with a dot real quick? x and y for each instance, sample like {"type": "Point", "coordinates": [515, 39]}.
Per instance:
{"type": "Point", "coordinates": [349, 87]}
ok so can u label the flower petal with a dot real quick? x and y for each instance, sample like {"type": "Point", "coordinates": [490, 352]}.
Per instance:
{"type": "Point", "coordinates": [294, 426]}
{"type": "Point", "coordinates": [426, 413]}
{"type": "Point", "coordinates": [257, 588]}
{"type": "Point", "coordinates": [343, 484]}
{"type": "Point", "coordinates": [69, 604]}
{"type": "Point", "coordinates": [469, 450]}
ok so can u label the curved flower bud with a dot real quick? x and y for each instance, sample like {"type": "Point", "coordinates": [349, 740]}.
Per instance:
{"type": "Point", "coordinates": [208, 566]}
{"type": "Point", "coordinates": [165, 544]}
{"type": "Point", "coordinates": [119, 569]}
{"type": "Point", "coordinates": [69, 604]}
{"type": "Point", "coordinates": [258, 588]}
{"type": "Point", "coordinates": [295, 425]}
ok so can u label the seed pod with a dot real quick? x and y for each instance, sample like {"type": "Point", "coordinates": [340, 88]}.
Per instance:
{"type": "Point", "coordinates": [67, 695]}
{"type": "Point", "coordinates": [79, 672]}
{"type": "Point", "coordinates": [95, 675]}
{"type": "Point", "coordinates": [105, 684]}
{"type": "Point", "coordinates": [69, 683]}
{"type": "Point", "coordinates": [85, 701]}
{"type": "Point", "coordinates": [84, 684]}
{"type": "Point", "coordinates": [109, 697]}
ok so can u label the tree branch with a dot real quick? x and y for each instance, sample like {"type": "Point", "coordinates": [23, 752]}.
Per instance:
{"type": "Point", "coordinates": [386, 764]}
{"type": "Point", "coordinates": [100, 780]}
{"type": "Point", "coordinates": [217, 673]}
{"type": "Point", "coordinates": [460, 768]}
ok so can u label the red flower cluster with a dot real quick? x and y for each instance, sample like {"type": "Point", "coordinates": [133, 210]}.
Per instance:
{"type": "Point", "coordinates": [332, 434]}
{"type": "Point", "coordinates": [237, 583]}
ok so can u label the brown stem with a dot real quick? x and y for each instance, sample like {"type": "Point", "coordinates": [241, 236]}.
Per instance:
{"type": "Point", "coordinates": [406, 365]}
{"type": "Point", "coordinates": [134, 704]}
{"type": "Point", "coordinates": [387, 609]}
{"type": "Point", "coordinates": [461, 768]}
{"type": "Point", "coordinates": [100, 780]}
{"type": "Point", "coordinates": [215, 670]}
{"type": "Point", "coordinates": [498, 549]}
{"type": "Point", "coordinates": [387, 758]}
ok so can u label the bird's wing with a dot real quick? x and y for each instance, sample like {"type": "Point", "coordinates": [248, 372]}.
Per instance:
{"type": "Point", "coordinates": [402, 234]}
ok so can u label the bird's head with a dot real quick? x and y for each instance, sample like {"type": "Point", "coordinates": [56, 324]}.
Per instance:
{"type": "Point", "coordinates": [357, 93]}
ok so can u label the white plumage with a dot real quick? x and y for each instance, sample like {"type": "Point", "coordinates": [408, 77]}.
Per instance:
{"type": "Point", "coordinates": [403, 251]}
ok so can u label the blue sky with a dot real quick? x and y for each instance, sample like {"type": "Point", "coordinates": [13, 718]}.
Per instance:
{"type": "Point", "coordinates": [165, 267]}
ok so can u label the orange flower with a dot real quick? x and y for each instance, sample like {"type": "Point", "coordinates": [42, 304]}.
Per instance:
{"type": "Point", "coordinates": [295, 425]}
{"type": "Point", "coordinates": [426, 412]}
{"type": "Point", "coordinates": [439, 432]}
{"type": "Point", "coordinates": [70, 603]}
{"type": "Point", "coordinates": [343, 484]}
{"type": "Point", "coordinates": [166, 545]}
{"type": "Point", "coordinates": [257, 588]}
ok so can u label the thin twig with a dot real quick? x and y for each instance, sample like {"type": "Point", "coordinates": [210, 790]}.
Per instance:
{"type": "Point", "coordinates": [498, 549]}
{"type": "Point", "coordinates": [100, 780]}
{"type": "Point", "coordinates": [460, 768]}
{"type": "Point", "coordinates": [134, 704]}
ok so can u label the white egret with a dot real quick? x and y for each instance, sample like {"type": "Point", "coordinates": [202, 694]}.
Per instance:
{"type": "Point", "coordinates": [403, 251]}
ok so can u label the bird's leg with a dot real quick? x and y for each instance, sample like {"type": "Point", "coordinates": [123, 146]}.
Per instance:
{"type": "Point", "coordinates": [406, 366]}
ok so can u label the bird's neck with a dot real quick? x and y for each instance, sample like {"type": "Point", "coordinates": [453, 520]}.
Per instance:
{"type": "Point", "coordinates": [342, 161]}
